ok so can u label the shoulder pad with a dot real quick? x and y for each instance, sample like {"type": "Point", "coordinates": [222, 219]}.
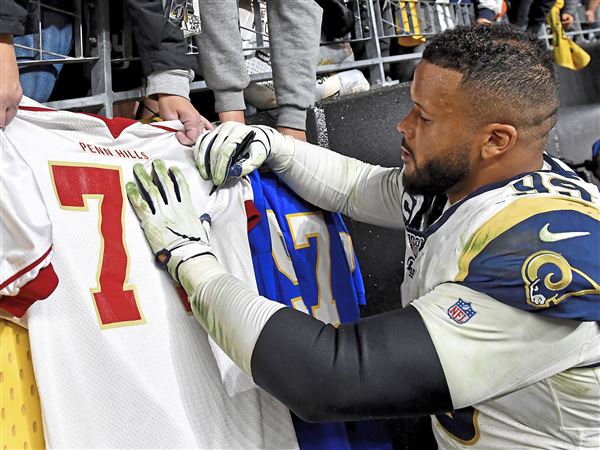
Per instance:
{"type": "Point", "coordinates": [540, 255]}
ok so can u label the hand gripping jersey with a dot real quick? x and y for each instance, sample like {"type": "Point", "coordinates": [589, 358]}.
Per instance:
{"type": "Point", "coordinates": [510, 275]}
{"type": "Point", "coordinates": [303, 258]}
{"type": "Point", "coordinates": [119, 360]}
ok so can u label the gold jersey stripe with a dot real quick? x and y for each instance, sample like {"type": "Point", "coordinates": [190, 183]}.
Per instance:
{"type": "Point", "coordinates": [515, 213]}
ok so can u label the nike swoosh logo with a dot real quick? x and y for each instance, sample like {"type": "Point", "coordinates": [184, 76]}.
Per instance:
{"type": "Point", "coordinates": [548, 236]}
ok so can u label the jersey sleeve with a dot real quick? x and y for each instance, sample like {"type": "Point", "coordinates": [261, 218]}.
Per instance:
{"type": "Point", "coordinates": [488, 348]}
{"type": "Point", "coordinates": [234, 380]}
{"type": "Point", "coordinates": [338, 183]}
{"type": "Point", "coordinates": [538, 255]}
{"type": "Point", "coordinates": [26, 274]}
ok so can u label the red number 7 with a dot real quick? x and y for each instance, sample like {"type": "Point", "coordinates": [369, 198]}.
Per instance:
{"type": "Point", "coordinates": [115, 301]}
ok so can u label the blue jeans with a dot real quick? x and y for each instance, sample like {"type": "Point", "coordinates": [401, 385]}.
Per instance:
{"type": "Point", "coordinates": [57, 36]}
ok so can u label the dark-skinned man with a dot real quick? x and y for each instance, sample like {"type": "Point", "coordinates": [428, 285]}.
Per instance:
{"type": "Point", "coordinates": [500, 340]}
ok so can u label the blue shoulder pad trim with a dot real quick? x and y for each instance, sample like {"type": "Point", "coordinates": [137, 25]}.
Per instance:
{"type": "Point", "coordinates": [547, 262]}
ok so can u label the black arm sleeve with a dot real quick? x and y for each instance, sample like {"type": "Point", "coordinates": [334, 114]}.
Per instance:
{"type": "Point", "coordinates": [160, 43]}
{"type": "Point", "coordinates": [381, 366]}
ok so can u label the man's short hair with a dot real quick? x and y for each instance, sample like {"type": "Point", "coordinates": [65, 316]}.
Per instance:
{"type": "Point", "coordinates": [507, 73]}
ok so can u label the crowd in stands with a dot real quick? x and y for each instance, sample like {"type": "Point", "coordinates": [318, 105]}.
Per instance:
{"type": "Point", "coordinates": [296, 29]}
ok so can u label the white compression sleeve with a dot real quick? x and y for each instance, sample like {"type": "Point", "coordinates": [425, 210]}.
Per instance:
{"type": "Point", "coordinates": [334, 182]}
{"type": "Point", "coordinates": [230, 312]}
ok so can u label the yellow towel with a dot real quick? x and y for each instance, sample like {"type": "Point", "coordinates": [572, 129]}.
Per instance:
{"type": "Point", "coordinates": [566, 52]}
{"type": "Point", "coordinates": [409, 16]}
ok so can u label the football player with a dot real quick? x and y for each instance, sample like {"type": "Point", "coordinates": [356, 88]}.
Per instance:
{"type": "Point", "coordinates": [500, 340]}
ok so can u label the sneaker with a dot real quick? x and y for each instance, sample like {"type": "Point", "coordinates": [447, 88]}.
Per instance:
{"type": "Point", "coordinates": [341, 83]}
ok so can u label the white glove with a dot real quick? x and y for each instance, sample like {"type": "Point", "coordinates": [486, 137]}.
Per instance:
{"type": "Point", "coordinates": [170, 223]}
{"type": "Point", "coordinates": [218, 155]}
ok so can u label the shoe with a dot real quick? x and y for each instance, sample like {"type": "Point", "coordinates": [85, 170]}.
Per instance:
{"type": "Point", "coordinates": [341, 83]}
{"type": "Point", "coordinates": [352, 82]}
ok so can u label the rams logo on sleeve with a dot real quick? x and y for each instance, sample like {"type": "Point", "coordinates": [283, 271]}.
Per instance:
{"type": "Point", "coordinates": [548, 277]}
{"type": "Point", "coordinates": [539, 255]}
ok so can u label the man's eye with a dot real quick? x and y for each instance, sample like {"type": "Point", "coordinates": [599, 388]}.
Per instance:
{"type": "Point", "coordinates": [424, 119]}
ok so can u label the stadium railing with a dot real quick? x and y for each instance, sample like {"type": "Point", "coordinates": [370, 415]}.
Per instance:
{"type": "Point", "coordinates": [375, 23]}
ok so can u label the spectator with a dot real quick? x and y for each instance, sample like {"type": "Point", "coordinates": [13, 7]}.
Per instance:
{"type": "Point", "coordinates": [338, 19]}
{"type": "Point", "coordinates": [529, 14]}
{"type": "Point", "coordinates": [161, 45]}
{"type": "Point", "coordinates": [56, 34]}
{"type": "Point", "coordinates": [567, 13]}
{"type": "Point", "coordinates": [565, 51]}
{"type": "Point", "coordinates": [10, 88]}
{"type": "Point", "coordinates": [294, 28]}
{"type": "Point", "coordinates": [19, 19]}
{"type": "Point", "coordinates": [167, 66]}
{"type": "Point", "coordinates": [590, 11]}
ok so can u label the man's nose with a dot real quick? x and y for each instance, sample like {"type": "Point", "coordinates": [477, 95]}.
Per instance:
{"type": "Point", "coordinates": [405, 127]}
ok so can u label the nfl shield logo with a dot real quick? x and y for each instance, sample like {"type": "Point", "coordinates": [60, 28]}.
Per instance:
{"type": "Point", "coordinates": [461, 311]}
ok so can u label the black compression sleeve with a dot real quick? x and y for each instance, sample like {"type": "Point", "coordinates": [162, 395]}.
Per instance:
{"type": "Point", "coordinates": [381, 366]}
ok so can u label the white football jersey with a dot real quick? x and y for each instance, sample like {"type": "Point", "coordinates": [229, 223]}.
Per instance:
{"type": "Point", "coordinates": [120, 361]}
{"type": "Point", "coordinates": [508, 284]}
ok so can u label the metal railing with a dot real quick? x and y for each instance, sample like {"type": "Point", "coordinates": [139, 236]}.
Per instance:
{"type": "Point", "coordinates": [375, 22]}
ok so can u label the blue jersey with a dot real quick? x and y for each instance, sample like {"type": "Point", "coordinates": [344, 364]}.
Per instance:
{"type": "Point", "coordinates": [303, 258]}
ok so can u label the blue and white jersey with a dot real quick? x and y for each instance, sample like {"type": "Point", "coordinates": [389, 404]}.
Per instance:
{"type": "Point", "coordinates": [303, 258]}
{"type": "Point", "coordinates": [498, 273]}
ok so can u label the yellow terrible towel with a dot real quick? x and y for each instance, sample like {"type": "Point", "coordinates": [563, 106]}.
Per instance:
{"type": "Point", "coordinates": [566, 52]}
{"type": "Point", "coordinates": [410, 24]}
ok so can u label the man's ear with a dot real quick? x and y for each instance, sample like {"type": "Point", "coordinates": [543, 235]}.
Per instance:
{"type": "Point", "coordinates": [497, 139]}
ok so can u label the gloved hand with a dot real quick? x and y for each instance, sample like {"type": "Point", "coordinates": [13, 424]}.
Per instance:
{"type": "Point", "coordinates": [174, 231]}
{"type": "Point", "coordinates": [216, 156]}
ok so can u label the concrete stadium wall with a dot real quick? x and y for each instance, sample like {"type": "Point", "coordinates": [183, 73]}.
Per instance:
{"type": "Point", "coordinates": [578, 124]}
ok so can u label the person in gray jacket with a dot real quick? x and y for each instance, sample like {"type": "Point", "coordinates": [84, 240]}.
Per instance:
{"type": "Point", "coordinates": [162, 49]}
{"type": "Point", "coordinates": [568, 12]}
{"type": "Point", "coordinates": [294, 29]}
{"type": "Point", "coordinates": [168, 68]}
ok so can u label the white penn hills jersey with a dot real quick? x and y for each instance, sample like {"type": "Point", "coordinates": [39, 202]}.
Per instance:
{"type": "Point", "coordinates": [119, 359]}
{"type": "Point", "coordinates": [508, 284]}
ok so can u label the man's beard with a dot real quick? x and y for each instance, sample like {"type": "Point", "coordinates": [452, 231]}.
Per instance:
{"type": "Point", "coordinates": [438, 175]}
